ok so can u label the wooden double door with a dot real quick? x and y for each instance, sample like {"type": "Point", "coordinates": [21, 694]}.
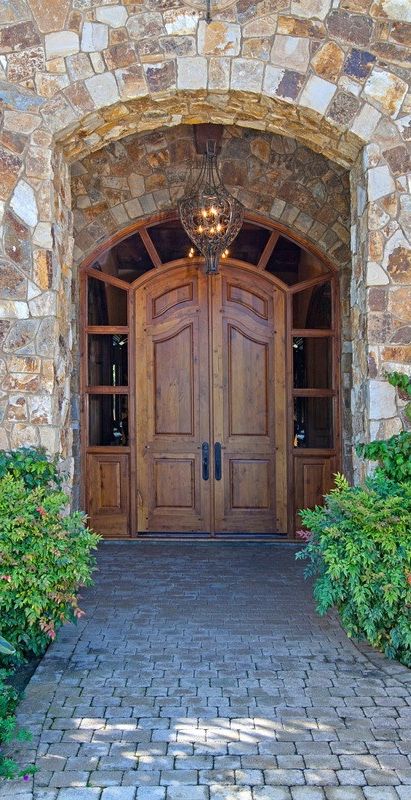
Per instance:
{"type": "Point", "coordinates": [210, 403]}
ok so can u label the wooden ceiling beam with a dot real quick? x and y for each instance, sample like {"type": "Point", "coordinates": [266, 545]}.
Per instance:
{"type": "Point", "coordinates": [206, 132]}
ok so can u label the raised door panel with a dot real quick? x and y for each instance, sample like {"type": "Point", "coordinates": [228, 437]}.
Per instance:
{"type": "Point", "coordinates": [174, 383]}
{"type": "Point", "coordinates": [108, 493]}
{"type": "Point", "coordinates": [314, 477]}
{"type": "Point", "coordinates": [248, 366]}
{"type": "Point", "coordinates": [244, 401]}
{"type": "Point", "coordinates": [172, 402]}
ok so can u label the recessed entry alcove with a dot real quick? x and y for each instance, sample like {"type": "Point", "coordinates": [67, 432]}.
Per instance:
{"type": "Point", "coordinates": [210, 404]}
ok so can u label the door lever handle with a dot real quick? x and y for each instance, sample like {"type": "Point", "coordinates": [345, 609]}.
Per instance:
{"type": "Point", "coordinates": [217, 461]}
{"type": "Point", "coordinates": [205, 461]}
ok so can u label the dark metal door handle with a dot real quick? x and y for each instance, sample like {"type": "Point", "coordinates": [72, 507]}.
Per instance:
{"type": "Point", "coordinates": [205, 461]}
{"type": "Point", "coordinates": [217, 461]}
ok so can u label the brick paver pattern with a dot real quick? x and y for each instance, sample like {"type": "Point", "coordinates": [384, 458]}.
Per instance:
{"type": "Point", "coordinates": [202, 672]}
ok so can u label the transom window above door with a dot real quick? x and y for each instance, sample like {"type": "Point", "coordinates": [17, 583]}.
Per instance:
{"type": "Point", "coordinates": [129, 256]}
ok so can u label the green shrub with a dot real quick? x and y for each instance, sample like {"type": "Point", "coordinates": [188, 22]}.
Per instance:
{"type": "Point", "coordinates": [9, 732]}
{"type": "Point", "coordinates": [32, 465]}
{"type": "Point", "coordinates": [359, 551]}
{"type": "Point", "coordinates": [393, 456]}
{"type": "Point", "coordinates": [44, 556]}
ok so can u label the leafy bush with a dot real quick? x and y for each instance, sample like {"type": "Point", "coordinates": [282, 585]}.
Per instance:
{"type": "Point", "coordinates": [359, 549]}
{"type": "Point", "coordinates": [9, 731]}
{"type": "Point", "coordinates": [393, 456]}
{"type": "Point", "coordinates": [44, 556]}
{"type": "Point", "coordinates": [30, 464]}
{"type": "Point", "coordinates": [403, 384]}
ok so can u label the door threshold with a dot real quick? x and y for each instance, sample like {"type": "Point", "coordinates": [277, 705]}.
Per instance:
{"type": "Point", "coordinates": [204, 538]}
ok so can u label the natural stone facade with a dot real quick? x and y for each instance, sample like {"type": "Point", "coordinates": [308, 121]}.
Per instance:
{"type": "Point", "coordinates": [76, 75]}
{"type": "Point", "coordinates": [273, 175]}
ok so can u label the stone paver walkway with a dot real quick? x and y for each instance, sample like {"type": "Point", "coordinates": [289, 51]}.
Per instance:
{"type": "Point", "coordinates": [201, 672]}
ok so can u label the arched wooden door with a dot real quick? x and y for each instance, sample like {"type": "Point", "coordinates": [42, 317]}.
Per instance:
{"type": "Point", "coordinates": [210, 403]}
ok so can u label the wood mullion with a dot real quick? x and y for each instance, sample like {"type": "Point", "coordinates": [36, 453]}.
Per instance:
{"type": "Point", "coordinates": [313, 451]}
{"type": "Point", "coordinates": [105, 278]}
{"type": "Point", "coordinates": [314, 392]}
{"type": "Point", "coordinates": [106, 329]}
{"type": "Point", "coordinates": [268, 249]}
{"type": "Point", "coordinates": [107, 389]}
{"type": "Point", "coordinates": [313, 333]}
{"type": "Point", "coordinates": [307, 284]}
{"type": "Point", "coordinates": [150, 247]}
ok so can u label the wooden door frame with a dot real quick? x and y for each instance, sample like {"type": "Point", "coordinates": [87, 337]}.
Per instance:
{"type": "Point", "coordinates": [142, 227]}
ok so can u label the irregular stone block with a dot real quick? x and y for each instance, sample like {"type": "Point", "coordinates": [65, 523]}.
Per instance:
{"type": "Point", "coordinates": [24, 203]}
{"type": "Point", "coordinates": [115, 16]}
{"type": "Point", "coordinates": [10, 166]}
{"type": "Point", "coordinates": [382, 400]}
{"type": "Point", "coordinates": [317, 94]}
{"type": "Point", "coordinates": [94, 37]}
{"type": "Point", "coordinates": [103, 89]}
{"type": "Point", "coordinates": [219, 38]}
{"type": "Point", "coordinates": [386, 89]}
{"type": "Point", "coordinates": [50, 15]}
{"type": "Point", "coordinates": [61, 44]}
{"type": "Point", "coordinates": [291, 52]}
{"type": "Point", "coordinates": [380, 182]}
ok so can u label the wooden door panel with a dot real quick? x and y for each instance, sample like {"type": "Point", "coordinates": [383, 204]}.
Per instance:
{"type": "Point", "coordinates": [250, 483]}
{"type": "Point", "coordinates": [172, 402]}
{"type": "Point", "coordinates": [174, 383]}
{"type": "Point", "coordinates": [243, 402]}
{"type": "Point", "coordinates": [313, 477]}
{"type": "Point", "coordinates": [248, 298]}
{"type": "Point", "coordinates": [174, 483]}
{"type": "Point", "coordinates": [247, 399]}
{"type": "Point", "coordinates": [108, 493]}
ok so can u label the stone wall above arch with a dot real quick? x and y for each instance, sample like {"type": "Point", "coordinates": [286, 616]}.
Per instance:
{"type": "Point", "coordinates": [272, 175]}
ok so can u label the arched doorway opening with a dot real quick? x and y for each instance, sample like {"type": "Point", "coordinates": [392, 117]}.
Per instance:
{"type": "Point", "coordinates": [210, 405]}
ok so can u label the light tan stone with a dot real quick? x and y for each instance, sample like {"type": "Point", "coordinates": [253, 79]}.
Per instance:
{"type": "Point", "coordinates": [219, 38]}
{"type": "Point", "coordinates": [328, 61]}
{"type": "Point", "coordinates": [385, 89]}
{"type": "Point", "coordinates": [399, 303]}
{"type": "Point", "coordinates": [291, 52]}
{"type": "Point", "coordinates": [393, 9]}
{"type": "Point", "coordinates": [61, 44]}
{"type": "Point", "coordinates": [50, 15]}
{"type": "Point", "coordinates": [311, 8]}
{"type": "Point", "coordinates": [23, 435]}
{"type": "Point", "coordinates": [219, 73]}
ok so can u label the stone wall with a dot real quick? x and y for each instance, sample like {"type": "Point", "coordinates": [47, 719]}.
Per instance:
{"type": "Point", "coordinates": [76, 75]}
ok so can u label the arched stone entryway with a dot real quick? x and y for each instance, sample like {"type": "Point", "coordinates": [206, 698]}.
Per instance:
{"type": "Point", "coordinates": [86, 78]}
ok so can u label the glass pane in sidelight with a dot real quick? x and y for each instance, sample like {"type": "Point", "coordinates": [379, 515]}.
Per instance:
{"type": "Point", "coordinates": [107, 304]}
{"type": "Point", "coordinates": [312, 308]}
{"type": "Point", "coordinates": [313, 422]}
{"type": "Point", "coordinates": [108, 359]}
{"type": "Point", "coordinates": [108, 420]}
{"type": "Point", "coordinates": [312, 362]}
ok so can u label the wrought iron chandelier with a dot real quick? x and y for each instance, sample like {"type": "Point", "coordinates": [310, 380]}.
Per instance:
{"type": "Point", "coordinates": [209, 214]}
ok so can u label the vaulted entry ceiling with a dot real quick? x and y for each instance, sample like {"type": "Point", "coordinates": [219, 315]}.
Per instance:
{"type": "Point", "coordinates": [273, 175]}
